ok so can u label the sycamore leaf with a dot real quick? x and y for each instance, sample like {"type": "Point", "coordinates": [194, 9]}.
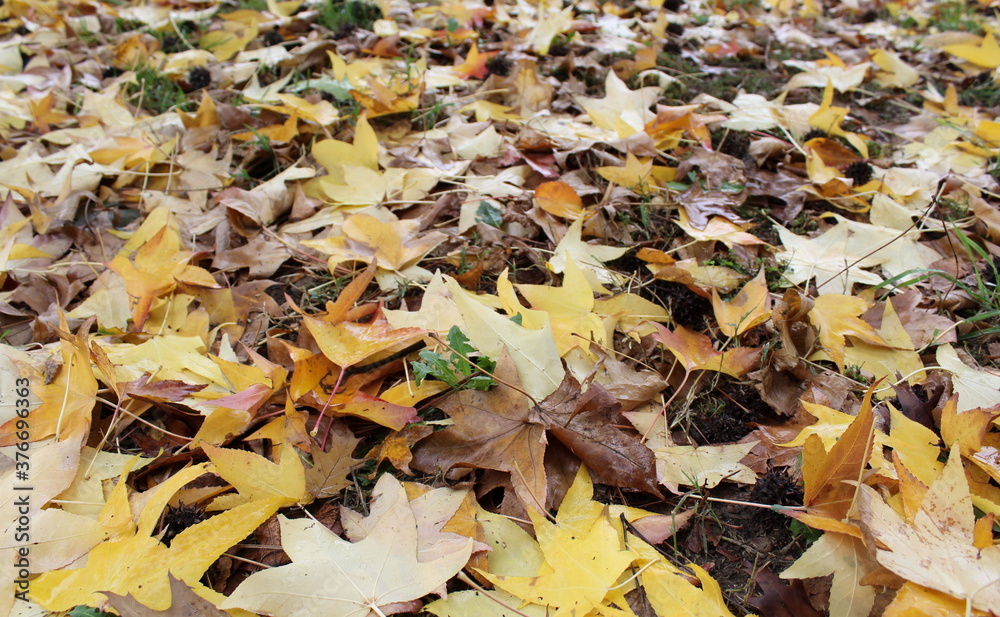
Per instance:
{"type": "Point", "coordinates": [184, 602]}
{"type": "Point", "coordinates": [328, 474]}
{"type": "Point", "coordinates": [751, 307]}
{"type": "Point", "coordinates": [590, 257]}
{"type": "Point", "coordinates": [438, 312]}
{"type": "Point", "coordinates": [583, 556]}
{"type": "Point", "coordinates": [377, 410]}
{"type": "Point", "coordinates": [629, 313]}
{"type": "Point", "coordinates": [255, 477]}
{"type": "Point", "coordinates": [986, 54]}
{"type": "Point", "coordinates": [718, 229]}
{"type": "Point", "coordinates": [331, 576]}
{"type": "Point", "coordinates": [831, 72]}
{"type": "Point", "coordinates": [465, 603]}
{"type": "Point", "coordinates": [396, 448]}
{"type": "Point", "coordinates": [703, 466]}
{"type": "Point", "coordinates": [333, 154]}
{"type": "Point", "coordinates": [547, 28]}
{"type": "Point", "coordinates": [831, 477]}
{"type": "Point", "coordinates": [444, 517]}
{"type": "Point", "coordinates": [633, 175]}
{"type": "Point", "coordinates": [474, 64]}
{"type": "Point", "coordinates": [513, 551]}
{"type": "Point", "coordinates": [898, 251]}
{"type": "Point", "coordinates": [580, 568]}
{"type": "Point", "coordinates": [621, 110]}
{"type": "Point", "coordinates": [895, 356]}
{"type": "Point", "coordinates": [486, 110]}
{"type": "Point", "coordinates": [916, 446]}
{"type": "Point", "coordinates": [570, 309]}
{"type": "Point", "coordinates": [66, 401]}
{"type": "Point", "coordinates": [936, 550]}
{"type": "Point", "coordinates": [975, 387]}
{"type": "Point", "coordinates": [584, 423]}
{"type": "Point", "coordinates": [967, 428]}
{"type": "Point", "coordinates": [835, 316]}
{"type": "Point", "coordinates": [138, 564]}
{"type": "Point", "coordinates": [827, 259]}
{"type": "Point", "coordinates": [229, 40]}
{"type": "Point", "coordinates": [396, 244]}
{"type": "Point", "coordinates": [533, 352]}
{"type": "Point", "coordinates": [694, 351]}
{"type": "Point", "coordinates": [917, 601]}
{"type": "Point", "coordinates": [830, 426]}
{"type": "Point", "coordinates": [671, 592]}
{"type": "Point", "coordinates": [560, 199]}
{"type": "Point", "coordinates": [492, 430]}
{"type": "Point", "coordinates": [847, 559]}
{"type": "Point", "coordinates": [895, 72]}
{"type": "Point", "coordinates": [348, 343]}
{"type": "Point", "coordinates": [829, 117]}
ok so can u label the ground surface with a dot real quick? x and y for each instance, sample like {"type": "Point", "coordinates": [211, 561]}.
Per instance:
{"type": "Point", "coordinates": [736, 258]}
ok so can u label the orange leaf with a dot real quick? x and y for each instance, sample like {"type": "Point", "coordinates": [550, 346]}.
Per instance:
{"type": "Point", "coordinates": [348, 343]}
{"type": "Point", "coordinates": [560, 199]}
{"type": "Point", "coordinates": [695, 352]}
{"type": "Point", "coordinates": [475, 64]}
{"type": "Point", "coordinates": [826, 474]}
{"type": "Point", "coordinates": [378, 411]}
{"type": "Point", "coordinates": [967, 428]}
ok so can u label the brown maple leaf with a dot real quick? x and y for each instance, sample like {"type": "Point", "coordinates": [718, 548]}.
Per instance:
{"type": "Point", "coordinates": [504, 430]}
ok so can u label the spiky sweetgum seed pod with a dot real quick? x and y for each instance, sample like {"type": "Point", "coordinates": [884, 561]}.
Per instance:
{"type": "Point", "coordinates": [859, 171]}
{"type": "Point", "coordinates": [199, 78]}
{"type": "Point", "coordinates": [273, 37]}
{"type": "Point", "coordinates": [736, 144]}
{"type": "Point", "coordinates": [176, 520]}
{"type": "Point", "coordinates": [813, 134]}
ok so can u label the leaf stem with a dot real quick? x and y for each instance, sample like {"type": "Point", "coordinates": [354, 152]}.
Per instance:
{"type": "Point", "coordinates": [465, 578]}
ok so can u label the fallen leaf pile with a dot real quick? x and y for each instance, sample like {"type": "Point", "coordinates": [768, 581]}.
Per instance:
{"type": "Point", "coordinates": [502, 307]}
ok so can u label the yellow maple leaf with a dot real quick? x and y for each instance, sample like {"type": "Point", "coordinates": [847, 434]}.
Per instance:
{"type": "Point", "coordinates": [986, 54]}
{"type": "Point", "coordinates": [570, 309]}
{"type": "Point", "coordinates": [533, 352]}
{"type": "Point", "coordinates": [937, 548]}
{"type": "Point", "coordinates": [347, 343]}
{"type": "Point", "coordinates": [976, 387]}
{"type": "Point", "coordinates": [255, 477]}
{"type": "Point", "coordinates": [487, 110]}
{"type": "Point", "coordinates": [846, 558]}
{"type": "Point", "coordinates": [137, 563]}
{"type": "Point", "coordinates": [835, 316]}
{"type": "Point", "coordinates": [582, 552]}
{"type": "Point", "coordinates": [622, 111]}
{"type": "Point", "coordinates": [560, 199]}
{"type": "Point", "coordinates": [232, 38]}
{"type": "Point", "coordinates": [633, 175]}
{"type": "Point", "coordinates": [589, 257]}
{"type": "Point", "coordinates": [829, 117]}
{"type": "Point", "coordinates": [66, 402]}
{"type": "Point", "coordinates": [751, 307]}
{"type": "Point", "coordinates": [333, 154]}
{"type": "Point", "coordinates": [330, 576]}
{"type": "Point", "coordinates": [396, 245]}
{"type": "Point", "coordinates": [895, 356]}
